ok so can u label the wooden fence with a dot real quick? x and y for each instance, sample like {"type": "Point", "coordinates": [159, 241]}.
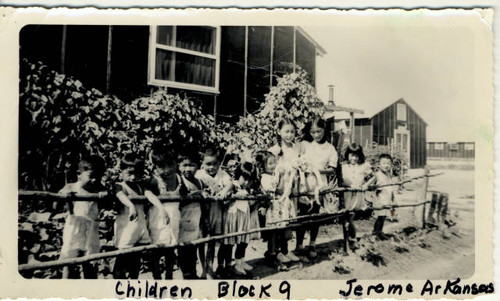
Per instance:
{"type": "Point", "coordinates": [320, 218]}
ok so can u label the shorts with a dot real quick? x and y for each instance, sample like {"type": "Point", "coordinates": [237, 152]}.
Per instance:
{"type": "Point", "coordinates": [80, 234]}
{"type": "Point", "coordinates": [161, 232]}
{"type": "Point", "coordinates": [130, 233]}
{"type": "Point", "coordinates": [189, 228]}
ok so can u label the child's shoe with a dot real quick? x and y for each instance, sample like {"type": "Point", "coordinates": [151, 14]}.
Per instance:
{"type": "Point", "coordinates": [246, 266]}
{"type": "Point", "coordinates": [313, 253]}
{"type": "Point", "coordinates": [292, 257]}
{"type": "Point", "coordinates": [283, 258]}
{"type": "Point", "coordinates": [238, 268]}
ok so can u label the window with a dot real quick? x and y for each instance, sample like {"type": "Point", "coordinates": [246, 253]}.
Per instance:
{"type": "Point", "coordinates": [401, 112]}
{"type": "Point", "coordinates": [185, 57]}
{"type": "Point", "coordinates": [427, 146]}
{"type": "Point", "coordinates": [439, 146]}
{"type": "Point", "coordinates": [469, 146]}
{"type": "Point", "coordinates": [454, 146]}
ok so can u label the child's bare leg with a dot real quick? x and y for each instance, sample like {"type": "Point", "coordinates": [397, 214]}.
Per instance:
{"type": "Point", "coordinates": [210, 256]}
{"type": "Point", "coordinates": [203, 262]}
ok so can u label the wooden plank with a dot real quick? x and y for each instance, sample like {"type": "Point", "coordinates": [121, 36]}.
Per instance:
{"type": "Point", "coordinates": [245, 75]}
{"type": "Point", "coordinates": [108, 58]}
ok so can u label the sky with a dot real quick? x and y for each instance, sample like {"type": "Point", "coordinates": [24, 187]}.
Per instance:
{"type": "Point", "coordinates": [431, 68]}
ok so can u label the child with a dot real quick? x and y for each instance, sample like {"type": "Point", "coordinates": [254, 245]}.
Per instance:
{"type": "Point", "coordinates": [164, 217]}
{"type": "Point", "coordinates": [130, 223]}
{"type": "Point", "coordinates": [320, 156]}
{"type": "Point", "coordinates": [385, 195]}
{"type": "Point", "coordinates": [219, 185]}
{"type": "Point", "coordinates": [287, 153]}
{"type": "Point", "coordinates": [277, 209]}
{"type": "Point", "coordinates": [355, 173]}
{"type": "Point", "coordinates": [237, 219]}
{"type": "Point", "coordinates": [191, 222]}
{"type": "Point", "coordinates": [81, 230]}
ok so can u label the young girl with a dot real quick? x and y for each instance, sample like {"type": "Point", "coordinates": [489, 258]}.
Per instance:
{"type": "Point", "coordinates": [237, 219]}
{"type": "Point", "coordinates": [81, 229]}
{"type": "Point", "coordinates": [164, 217]}
{"type": "Point", "coordinates": [130, 223]}
{"type": "Point", "coordinates": [321, 156]}
{"type": "Point", "coordinates": [355, 173]}
{"type": "Point", "coordinates": [219, 185]}
{"type": "Point", "coordinates": [190, 221]}
{"type": "Point", "coordinates": [287, 153]}
{"type": "Point", "coordinates": [277, 209]}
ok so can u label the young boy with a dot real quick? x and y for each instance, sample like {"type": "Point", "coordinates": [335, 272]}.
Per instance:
{"type": "Point", "coordinates": [220, 185]}
{"type": "Point", "coordinates": [130, 227]}
{"type": "Point", "coordinates": [191, 222]}
{"type": "Point", "coordinates": [164, 217]}
{"type": "Point", "coordinates": [385, 195]}
{"type": "Point", "coordinates": [81, 230]}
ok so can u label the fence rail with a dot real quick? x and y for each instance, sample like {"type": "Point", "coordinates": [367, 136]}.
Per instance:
{"type": "Point", "coordinates": [292, 222]}
{"type": "Point", "coordinates": [52, 196]}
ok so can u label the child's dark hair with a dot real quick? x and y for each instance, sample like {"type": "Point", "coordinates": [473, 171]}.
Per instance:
{"type": "Point", "coordinates": [131, 160]}
{"type": "Point", "coordinates": [355, 149]}
{"type": "Point", "coordinates": [283, 121]}
{"type": "Point", "coordinates": [230, 157]}
{"type": "Point", "coordinates": [385, 156]}
{"type": "Point", "coordinates": [94, 163]}
{"type": "Point", "coordinates": [261, 158]}
{"type": "Point", "coordinates": [188, 154]}
{"type": "Point", "coordinates": [210, 152]}
{"type": "Point", "coordinates": [162, 156]}
{"type": "Point", "coordinates": [320, 123]}
{"type": "Point", "coordinates": [248, 171]}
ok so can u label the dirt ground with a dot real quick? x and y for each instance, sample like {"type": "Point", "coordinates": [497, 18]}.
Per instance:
{"type": "Point", "coordinates": [423, 254]}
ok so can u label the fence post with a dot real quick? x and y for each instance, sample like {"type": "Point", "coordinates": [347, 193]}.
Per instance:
{"type": "Point", "coordinates": [424, 197]}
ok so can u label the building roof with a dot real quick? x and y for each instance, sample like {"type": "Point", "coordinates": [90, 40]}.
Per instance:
{"type": "Point", "coordinates": [319, 50]}
{"type": "Point", "coordinates": [370, 109]}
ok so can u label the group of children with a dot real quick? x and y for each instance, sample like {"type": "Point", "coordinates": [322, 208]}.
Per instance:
{"type": "Point", "coordinates": [283, 171]}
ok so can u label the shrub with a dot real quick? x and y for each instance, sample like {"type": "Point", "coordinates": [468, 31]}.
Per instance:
{"type": "Point", "coordinates": [293, 97]}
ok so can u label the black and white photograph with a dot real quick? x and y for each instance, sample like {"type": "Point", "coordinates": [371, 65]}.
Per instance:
{"type": "Point", "coordinates": [343, 150]}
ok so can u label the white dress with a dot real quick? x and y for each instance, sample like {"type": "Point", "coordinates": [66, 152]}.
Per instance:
{"type": "Point", "coordinates": [322, 156]}
{"type": "Point", "coordinates": [353, 175]}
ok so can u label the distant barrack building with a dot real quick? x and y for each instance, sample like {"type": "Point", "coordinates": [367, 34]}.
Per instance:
{"type": "Point", "coordinates": [451, 150]}
{"type": "Point", "coordinates": [393, 123]}
{"type": "Point", "coordinates": [228, 68]}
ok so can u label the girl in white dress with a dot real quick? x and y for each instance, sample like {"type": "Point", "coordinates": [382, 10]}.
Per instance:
{"type": "Point", "coordinates": [287, 153]}
{"type": "Point", "coordinates": [320, 155]}
{"type": "Point", "coordinates": [355, 174]}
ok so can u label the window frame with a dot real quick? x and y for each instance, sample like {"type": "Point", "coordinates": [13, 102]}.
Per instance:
{"type": "Point", "coordinates": [153, 46]}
